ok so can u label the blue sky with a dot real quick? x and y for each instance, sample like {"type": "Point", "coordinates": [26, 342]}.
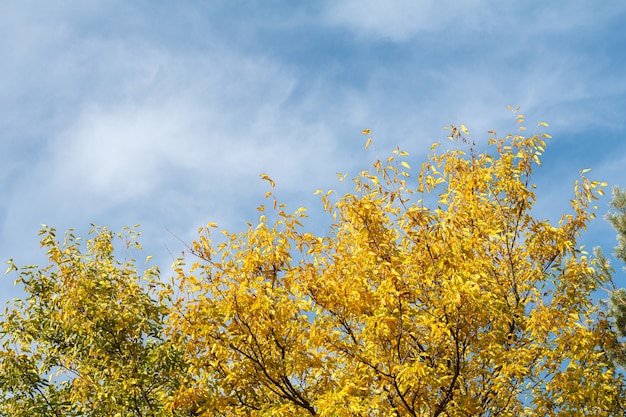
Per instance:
{"type": "Point", "coordinates": [165, 113]}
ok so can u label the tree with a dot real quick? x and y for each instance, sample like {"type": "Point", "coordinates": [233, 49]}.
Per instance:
{"type": "Point", "coordinates": [617, 298]}
{"type": "Point", "coordinates": [618, 221]}
{"type": "Point", "coordinates": [88, 338]}
{"type": "Point", "coordinates": [439, 295]}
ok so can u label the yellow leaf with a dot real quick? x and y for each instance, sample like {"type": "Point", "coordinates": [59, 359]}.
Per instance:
{"type": "Point", "coordinates": [405, 164]}
{"type": "Point", "coordinates": [365, 131]}
{"type": "Point", "coordinates": [367, 144]}
{"type": "Point", "coordinates": [267, 178]}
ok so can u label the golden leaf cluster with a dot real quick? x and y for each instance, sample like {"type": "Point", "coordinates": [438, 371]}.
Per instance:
{"type": "Point", "coordinates": [437, 293]}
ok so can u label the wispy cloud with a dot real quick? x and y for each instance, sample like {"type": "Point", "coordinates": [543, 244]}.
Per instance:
{"type": "Point", "coordinates": [188, 131]}
{"type": "Point", "coordinates": [400, 20]}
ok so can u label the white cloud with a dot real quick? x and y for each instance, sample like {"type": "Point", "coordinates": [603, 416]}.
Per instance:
{"type": "Point", "coordinates": [187, 131]}
{"type": "Point", "coordinates": [399, 20]}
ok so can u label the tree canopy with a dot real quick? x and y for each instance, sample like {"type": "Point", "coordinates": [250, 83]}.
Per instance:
{"type": "Point", "coordinates": [434, 294]}
{"type": "Point", "coordinates": [89, 337]}
{"type": "Point", "coordinates": [617, 296]}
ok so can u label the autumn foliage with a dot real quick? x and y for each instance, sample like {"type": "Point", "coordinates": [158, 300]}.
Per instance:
{"type": "Point", "coordinates": [434, 293]}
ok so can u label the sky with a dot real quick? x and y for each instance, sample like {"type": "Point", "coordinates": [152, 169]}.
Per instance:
{"type": "Point", "coordinates": [164, 113]}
